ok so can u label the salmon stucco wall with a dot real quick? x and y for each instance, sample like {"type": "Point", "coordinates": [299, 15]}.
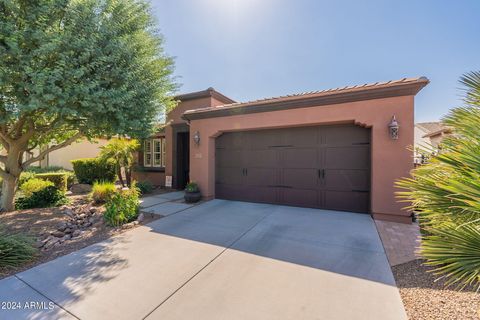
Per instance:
{"type": "Point", "coordinates": [174, 118]}
{"type": "Point", "coordinates": [390, 159]}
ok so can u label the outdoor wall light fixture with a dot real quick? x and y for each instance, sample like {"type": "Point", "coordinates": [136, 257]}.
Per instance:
{"type": "Point", "coordinates": [196, 138]}
{"type": "Point", "coordinates": [393, 128]}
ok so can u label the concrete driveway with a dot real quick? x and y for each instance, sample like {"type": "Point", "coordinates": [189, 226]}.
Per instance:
{"type": "Point", "coordinates": [220, 260]}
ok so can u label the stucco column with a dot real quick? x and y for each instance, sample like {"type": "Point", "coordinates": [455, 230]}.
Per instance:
{"type": "Point", "coordinates": [169, 150]}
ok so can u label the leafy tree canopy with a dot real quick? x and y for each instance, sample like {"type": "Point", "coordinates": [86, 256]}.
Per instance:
{"type": "Point", "coordinates": [72, 68]}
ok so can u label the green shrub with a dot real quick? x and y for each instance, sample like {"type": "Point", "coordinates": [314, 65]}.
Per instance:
{"type": "Point", "coordinates": [445, 192]}
{"type": "Point", "coordinates": [37, 169]}
{"type": "Point", "coordinates": [34, 185]}
{"type": "Point", "coordinates": [102, 191]}
{"type": "Point", "coordinates": [37, 193]}
{"type": "Point", "coordinates": [192, 187]}
{"type": "Point", "coordinates": [89, 170]}
{"type": "Point", "coordinates": [25, 176]}
{"type": "Point", "coordinates": [59, 179]}
{"type": "Point", "coordinates": [123, 207]}
{"type": "Point", "coordinates": [145, 187]}
{"type": "Point", "coordinates": [15, 249]}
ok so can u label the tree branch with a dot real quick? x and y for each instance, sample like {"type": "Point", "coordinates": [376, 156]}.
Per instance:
{"type": "Point", "coordinates": [42, 154]}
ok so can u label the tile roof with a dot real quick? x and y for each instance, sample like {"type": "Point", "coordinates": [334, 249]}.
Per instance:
{"type": "Point", "coordinates": [430, 126]}
{"type": "Point", "coordinates": [419, 82]}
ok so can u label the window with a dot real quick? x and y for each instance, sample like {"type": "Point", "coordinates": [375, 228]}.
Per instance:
{"type": "Point", "coordinates": [147, 153]}
{"type": "Point", "coordinates": [154, 153]}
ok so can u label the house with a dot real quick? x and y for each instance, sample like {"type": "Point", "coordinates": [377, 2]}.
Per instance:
{"type": "Point", "coordinates": [339, 149]}
{"type": "Point", "coordinates": [62, 157]}
{"type": "Point", "coordinates": [427, 137]}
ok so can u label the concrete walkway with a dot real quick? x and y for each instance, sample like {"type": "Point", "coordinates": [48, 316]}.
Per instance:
{"type": "Point", "coordinates": [220, 260]}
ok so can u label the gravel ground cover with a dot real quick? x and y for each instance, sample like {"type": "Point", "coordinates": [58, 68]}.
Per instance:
{"type": "Point", "coordinates": [427, 299]}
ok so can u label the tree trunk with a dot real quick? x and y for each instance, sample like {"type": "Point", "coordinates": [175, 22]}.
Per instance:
{"type": "Point", "coordinates": [119, 174]}
{"type": "Point", "coordinates": [9, 186]}
{"type": "Point", "coordinates": [11, 175]}
{"type": "Point", "coordinates": [128, 174]}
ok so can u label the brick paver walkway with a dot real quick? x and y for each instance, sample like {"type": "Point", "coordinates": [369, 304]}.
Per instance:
{"type": "Point", "coordinates": [400, 240]}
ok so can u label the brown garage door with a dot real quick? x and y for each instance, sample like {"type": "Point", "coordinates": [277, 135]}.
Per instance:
{"type": "Point", "coordinates": [321, 167]}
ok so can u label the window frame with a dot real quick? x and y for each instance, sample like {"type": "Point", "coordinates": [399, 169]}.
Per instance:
{"type": "Point", "coordinates": [152, 151]}
{"type": "Point", "coordinates": [147, 151]}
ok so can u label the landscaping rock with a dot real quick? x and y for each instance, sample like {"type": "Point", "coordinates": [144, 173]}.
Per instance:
{"type": "Point", "coordinates": [128, 225]}
{"type": "Point", "coordinates": [81, 188]}
{"type": "Point", "coordinates": [93, 210]}
{"type": "Point", "coordinates": [62, 226]}
{"type": "Point", "coordinates": [58, 233]}
{"type": "Point", "coordinates": [68, 212]}
{"type": "Point", "coordinates": [39, 243]}
{"type": "Point", "coordinates": [51, 243]}
{"type": "Point", "coordinates": [141, 217]}
{"type": "Point", "coordinates": [99, 223]}
{"type": "Point", "coordinates": [68, 230]}
{"type": "Point", "coordinates": [76, 233]}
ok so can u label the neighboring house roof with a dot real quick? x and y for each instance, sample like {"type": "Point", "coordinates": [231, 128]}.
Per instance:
{"type": "Point", "coordinates": [432, 129]}
{"type": "Point", "coordinates": [405, 86]}
{"type": "Point", "coordinates": [446, 130]}
{"type": "Point", "coordinates": [429, 126]}
{"type": "Point", "coordinates": [210, 92]}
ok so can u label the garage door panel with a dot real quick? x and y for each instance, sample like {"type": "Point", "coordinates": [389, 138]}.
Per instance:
{"type": "Point", "coordinates": [230, 192]}
{"type": "Point", "coordinates": [299, 197]}
{"type": "Point", "coordinates": [262, 177]}
{"type": "Point", "coordinates": [347, 158]}
{"type": "Point", "coordinates": [347, 201]}
{"type": "Point", "coordinates": [345, 135]}
{"type": "Point", "coordinates": [300, 137]}
{"type": "Point", "coordinates": [263, 194]}
{"type": "Point", "coordinates": [265, 139]}
{"type": "Point", "coordinates": [229, 158]}
{"type": "Point", "coordinates": [299, 158]}
{"type": "Point", "coordinates": [230, 140]}
{"type": "Point", "coordinates": [300, 178]}
{"type": "Point", "coordinates": [232, 176]}
{"type": "Point", "coordinates": [261, 158]}
{"type": "Point", "coordinates": [347, 180]}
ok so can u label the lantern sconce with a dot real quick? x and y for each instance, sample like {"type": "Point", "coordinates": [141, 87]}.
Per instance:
{"type": "Point", "coordinates": [196, 138]}
{"type": "Point", "coordinates": [393, 128]}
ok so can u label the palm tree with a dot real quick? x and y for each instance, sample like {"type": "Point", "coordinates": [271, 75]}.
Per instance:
{"type": "Point", "coordinates": [121, 150]}
{"type": "Point", "coordinates": [445, 192]}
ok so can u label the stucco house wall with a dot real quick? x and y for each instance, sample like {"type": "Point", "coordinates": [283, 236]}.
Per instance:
{"type": "Point", "coordinates": [390, 159]}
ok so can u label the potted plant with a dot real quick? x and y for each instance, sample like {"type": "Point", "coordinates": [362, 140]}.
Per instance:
{"type": "Point", "coordinates": [192, 192]}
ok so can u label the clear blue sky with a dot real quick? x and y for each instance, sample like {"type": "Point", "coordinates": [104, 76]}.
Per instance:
{"type": "Point", "coordinates": [249, 49]}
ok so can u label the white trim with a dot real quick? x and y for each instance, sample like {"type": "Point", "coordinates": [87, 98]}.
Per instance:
{"type": "Point", "coordinates": [147, 151]}
{"type": "Point", "coordinates": [159, 153]}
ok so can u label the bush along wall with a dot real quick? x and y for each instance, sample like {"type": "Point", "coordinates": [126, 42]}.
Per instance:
{"type": "Point", "coordinates": [59, 179]}
{"type": "Point", "coordinates": [89, 170]}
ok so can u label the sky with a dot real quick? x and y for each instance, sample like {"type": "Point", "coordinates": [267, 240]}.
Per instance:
{"type": "Point", "coordinates": [251, 49]}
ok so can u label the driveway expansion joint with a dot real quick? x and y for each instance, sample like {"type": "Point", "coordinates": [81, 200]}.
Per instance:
{"type": "Point", "coordinates": [46, 297]}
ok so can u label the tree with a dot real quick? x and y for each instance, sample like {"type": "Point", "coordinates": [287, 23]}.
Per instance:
{"type": "Point", "coordinates": [71, 69]}
{"type": "Point", "coordinates": [121, 150]}
{"type": "Point", "coordinates": [446, 194]}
